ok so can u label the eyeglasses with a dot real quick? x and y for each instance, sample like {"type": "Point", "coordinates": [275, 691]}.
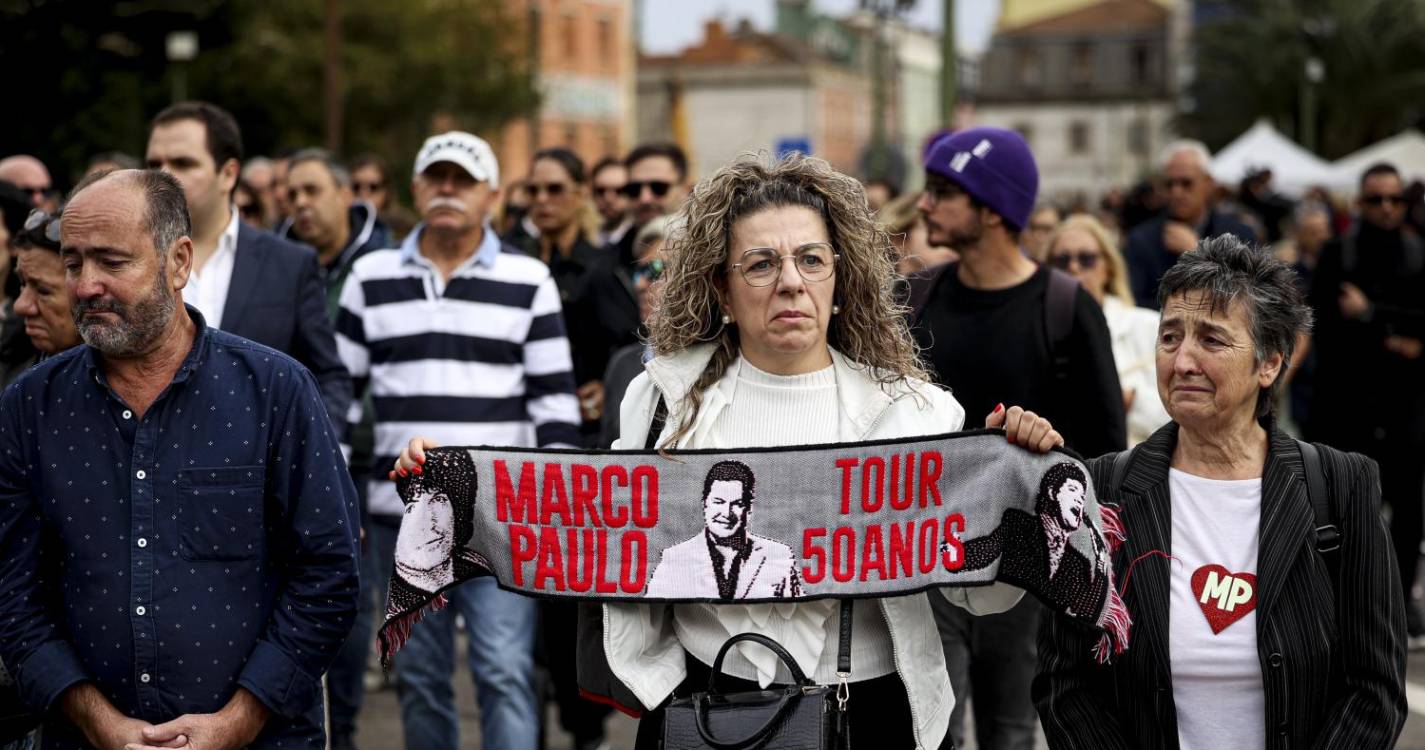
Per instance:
{"type": "Point", "coordinates": [38, 192]}
{"type": "Point", "coordinates": [41, 224]}
{"type": "Point", "coordinates": [554, 189]}
{"type": "Point", "coordinates": [763, 266]}
{"type": "Point", "coordinates": [651, 270]}
{"type": "Point", "coordinates": [938, 188]}
{"type": "Point", "coordinates": [368, 187]}
{"type": "Point", "coordinates": [608, 191]}
{"type": "Point", "coordinates": [1380, 200]}
{"type": "Point", "coordinates": [659, 188]}
{"type": "Point", "coordinates": [1087, 260]}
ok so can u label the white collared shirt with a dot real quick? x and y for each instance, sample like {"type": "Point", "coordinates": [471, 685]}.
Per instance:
{"type": "Point", "coordinates": [208, 290]}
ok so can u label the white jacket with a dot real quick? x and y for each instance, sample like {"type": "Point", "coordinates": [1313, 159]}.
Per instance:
{"type": "Point", "coordinates": [1134, 331]}
{"type": "Point", "coordinates": [639, 642]}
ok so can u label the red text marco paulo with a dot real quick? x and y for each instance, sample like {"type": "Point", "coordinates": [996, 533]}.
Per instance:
{"type": "Point", "coordinates": [575, 528]}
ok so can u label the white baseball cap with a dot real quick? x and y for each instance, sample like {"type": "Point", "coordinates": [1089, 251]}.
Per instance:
{"type": "Point", "coordinates": [464, 150]}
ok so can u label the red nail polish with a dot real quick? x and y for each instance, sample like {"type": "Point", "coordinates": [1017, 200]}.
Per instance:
{"type": "Point", "coordinates": [416, 470]}
{"type": "Point", "coordinates": [421, 459]}
{"type": "Point", "coordinates": [999, 408]}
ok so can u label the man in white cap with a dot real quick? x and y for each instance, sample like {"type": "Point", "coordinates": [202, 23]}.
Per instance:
{"type": "Point", "coordinates": [461, 340]}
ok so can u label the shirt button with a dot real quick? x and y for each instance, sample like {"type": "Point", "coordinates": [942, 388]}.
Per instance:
{"type": "Point", "coordinates": [140, 611]}
{"type": "Point", "coordinates": [142, 542]}
{"type": "Point", "coordinates": [141, 474]}
{"type": "Point", "coordinates": [144, 677]}
{"type": "Point", "coordinates": [128, 414]}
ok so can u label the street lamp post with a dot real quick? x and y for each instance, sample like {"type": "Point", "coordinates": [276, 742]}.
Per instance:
{"type": "Point", "coordinates": [181, 47]}
{"type": "Point", "coordinates": [882, 11]}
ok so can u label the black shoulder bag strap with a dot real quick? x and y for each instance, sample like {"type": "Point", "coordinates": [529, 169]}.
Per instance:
{"type": "Point", "coordinates": [1328, 535]}
{"type": "Point", "coordinates": [1120, 469]}
{"type": "Point", "coordinates": [655, 428]}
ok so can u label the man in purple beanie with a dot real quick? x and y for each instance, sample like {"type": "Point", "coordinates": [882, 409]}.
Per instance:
{"type": "Point", "coordinates": [998, 328]}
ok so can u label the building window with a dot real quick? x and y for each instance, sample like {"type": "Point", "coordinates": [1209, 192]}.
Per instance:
{"type": "Point", "coordinates": [1081, 65]}
{"type": "Point", "coordinates": [1027, 132]}
{"type": "Point", "coordinates": [1027, 68]}
{"type": "Point", "coordinates": [1078, 137]}
{"type": "Point", "coordinates": [1141, 64]}
{"type": "Point", "coordinates": [571, 37]}
{"type": "Point", "coordinates": [606, 41]}
{"type": "Point", "coordinates": [1138, 136]}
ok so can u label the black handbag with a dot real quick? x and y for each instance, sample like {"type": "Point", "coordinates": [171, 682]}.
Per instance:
{"type": "Point", "coordinates": [800, 716]}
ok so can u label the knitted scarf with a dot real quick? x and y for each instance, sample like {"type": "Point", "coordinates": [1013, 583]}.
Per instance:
{"type": "Point", "coordinates": [870, 519]}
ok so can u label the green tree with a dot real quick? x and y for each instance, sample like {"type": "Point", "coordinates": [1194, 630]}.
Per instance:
{"type": "Point", "coordinates": [81, 78]}
{"type": "Point", "coordinates": [1251, 62]}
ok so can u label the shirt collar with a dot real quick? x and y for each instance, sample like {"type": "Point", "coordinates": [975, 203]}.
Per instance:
{"type": "Point", "coordinates": [229, 238]}
{"type": "Point", "coordinates": [485, 255]}
{"type": "Point", "coordinates": [191, 362]}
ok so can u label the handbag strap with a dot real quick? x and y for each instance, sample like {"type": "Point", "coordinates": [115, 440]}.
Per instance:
{"type": "Point", "coordinates": [660, 416]}
{"type": "Point", "coordinates": [843, 656]}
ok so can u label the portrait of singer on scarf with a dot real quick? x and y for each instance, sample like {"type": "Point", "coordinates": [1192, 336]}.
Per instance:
{"type": "Point", "coordinates": [743, 565]}
{"type": "Point", "coordinates": [431, 549]}
{"type": "Point", "coordinates": [1065, 574]}
{"type": "Point", "coordinates": [778, 324]}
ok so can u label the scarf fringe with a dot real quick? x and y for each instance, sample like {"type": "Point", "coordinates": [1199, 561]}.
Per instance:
{"type": "Point", "coordinates": [1112, 526]}
{"type": "Point", "coordinates": [1115, 624]}
{"type": "Point", "coordinates": [396, 632]}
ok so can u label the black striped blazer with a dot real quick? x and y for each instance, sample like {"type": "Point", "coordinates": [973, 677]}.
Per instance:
{"type": "Point", "coordinates": [1333, 668]}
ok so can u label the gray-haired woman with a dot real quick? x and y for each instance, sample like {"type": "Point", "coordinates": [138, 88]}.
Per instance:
{"type": "Point", "coordinates": [1249, 630]}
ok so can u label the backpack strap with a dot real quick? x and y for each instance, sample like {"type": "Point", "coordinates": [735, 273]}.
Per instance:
{"type": "Point", "coordinates": [920, 286]}
{"type": "Point", "coordinates": [1328, 534]}
{"type": "Point", "coordinates": [1120, 468]}
{"type": "Point", "coordinates": [1059, 319]}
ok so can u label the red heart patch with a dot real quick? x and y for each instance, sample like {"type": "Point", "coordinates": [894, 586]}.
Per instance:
{"type": "Point", "coordinates": [1224, 597]}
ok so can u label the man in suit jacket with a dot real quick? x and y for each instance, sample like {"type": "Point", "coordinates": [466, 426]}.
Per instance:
{"type": "Point", "coordinates": [1154, 246]}
{"type": "Point", "coordinates": [245, 281]}
{"type": "Point", "coordinates": [744, 565]}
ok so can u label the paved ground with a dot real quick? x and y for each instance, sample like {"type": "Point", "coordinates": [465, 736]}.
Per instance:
{"type": "Point", "coordinates": [380, 723]}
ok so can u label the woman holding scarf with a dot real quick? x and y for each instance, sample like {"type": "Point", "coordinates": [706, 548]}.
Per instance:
{"type": "Point", "coordinates": [777, 326]}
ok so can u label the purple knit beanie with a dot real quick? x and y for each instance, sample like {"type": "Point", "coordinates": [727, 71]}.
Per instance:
{"type": "Point", "coordinates": [994, 166]}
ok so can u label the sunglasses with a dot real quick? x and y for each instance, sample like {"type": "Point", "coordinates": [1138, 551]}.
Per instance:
{"type": "Point", "coordinates": [1087, 260]}
{"type": "Point", "coordinates": [659, 188]}
{"type": "Point", "coordinates": [554, 189]}
{"type": "Point", "coordinates": [368, 187]}
{"type": "Point", "coordinates": [42, 225]}
{"type": "Point", "coordinates": [1394, 199]}
{"type": "Point", "coordinates": [650, 270]}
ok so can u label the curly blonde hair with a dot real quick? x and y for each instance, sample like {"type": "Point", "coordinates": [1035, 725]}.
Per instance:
{"type": "Point", "coordinates": [871, 329]}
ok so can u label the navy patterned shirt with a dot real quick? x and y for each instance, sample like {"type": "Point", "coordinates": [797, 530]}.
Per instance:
{"type": "Point", "coordinates": [171, 558]}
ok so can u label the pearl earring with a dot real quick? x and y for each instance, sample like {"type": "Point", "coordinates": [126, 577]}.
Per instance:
{"type": "Point", "coordinates": [835, 309]}
{"type": "Point", "coordinates": [726, 318]}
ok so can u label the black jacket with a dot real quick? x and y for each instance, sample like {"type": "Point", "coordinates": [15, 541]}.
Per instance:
{"type": "Point", "coordinates": [277, 298]}
{"type": "Point", "coordinates": [1148, 260]}
{"type": "Point", "coordinates": [1332, 658]}
{"type": "Point", "coordinates": [1364, 387]}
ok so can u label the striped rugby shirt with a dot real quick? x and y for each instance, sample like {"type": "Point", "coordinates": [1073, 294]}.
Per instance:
{"type": "Point", "coordinates": [479, 360]}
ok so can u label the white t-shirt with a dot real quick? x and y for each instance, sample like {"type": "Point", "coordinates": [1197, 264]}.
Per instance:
{"type": "Point", "coordinates": [1212, 615]}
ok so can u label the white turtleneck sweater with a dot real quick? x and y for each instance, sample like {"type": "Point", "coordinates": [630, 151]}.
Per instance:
{"type": "Point", "coordinates": [773, 410]}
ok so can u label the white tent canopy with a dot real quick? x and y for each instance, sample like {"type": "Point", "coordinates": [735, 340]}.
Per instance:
{"type": "Point", "coordinates": [1294, 169]}
{"type": "Point", "coordinates": [1405, 150]}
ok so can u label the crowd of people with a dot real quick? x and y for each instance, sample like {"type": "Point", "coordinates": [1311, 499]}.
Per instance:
{"type": "Point", "coordinates": [561, 307]}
